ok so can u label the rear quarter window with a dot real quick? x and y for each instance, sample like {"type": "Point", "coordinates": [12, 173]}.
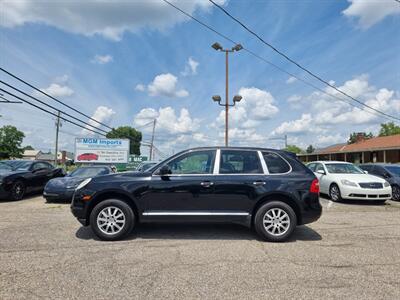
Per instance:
{"type": "Point", "coordinates": [275, 163]}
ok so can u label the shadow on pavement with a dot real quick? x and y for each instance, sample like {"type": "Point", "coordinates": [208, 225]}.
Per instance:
{"type": "Point", "coordinates": [28, 196]}
{"type": "Point", "coordinates": [200, 232]}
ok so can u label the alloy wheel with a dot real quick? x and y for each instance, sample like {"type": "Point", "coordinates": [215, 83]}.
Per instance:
{"type": "Point", "coordinates": [111, 220]}
{"type": "Point", "coordinates": [335, 193]}
{"type": "Point", "coordinates": [18, 190]}
{"type": "Point", "coordinates": [396, 193]}
{"type": "Point", "coordinates": [276, 221]}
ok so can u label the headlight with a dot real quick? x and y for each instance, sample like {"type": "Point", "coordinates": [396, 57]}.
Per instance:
{"type": "Point", "coordinates": [386, 184]}
{"type": "Point", "coordinates": [83, 183]}
{"type": "Point", "coordinates": [348, 182]}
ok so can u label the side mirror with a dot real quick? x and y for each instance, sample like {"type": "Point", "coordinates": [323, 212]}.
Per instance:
{"type": "Point", "coordinates": [322, 172]}
{"type": "Point", "coordinates": [365, 172]}
{"type": "Point", "coordinates": [165, 170]}
{"type": "Point", "coordinates": [387, 175]}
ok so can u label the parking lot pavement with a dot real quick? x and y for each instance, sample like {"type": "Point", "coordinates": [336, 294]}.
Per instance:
{"type": "Point", "coordinates": [352, 251]}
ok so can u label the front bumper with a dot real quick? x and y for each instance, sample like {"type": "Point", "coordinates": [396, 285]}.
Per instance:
{"type": "Point", "coordinates": [4, 194]}
{"type": "Point", "coordinates": [58, 195]}
{"type": "Point", "coordinates": [357, 193]}
{"type": "Point", "coordinates": [80, 207]}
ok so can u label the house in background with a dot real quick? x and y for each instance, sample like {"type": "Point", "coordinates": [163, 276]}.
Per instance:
{"type": "Point", "coordinates": [385, 149]}
{"type": "Point", "coordinates": [31, 154]}
{"type": "Point", "coordinates": [62, 157]}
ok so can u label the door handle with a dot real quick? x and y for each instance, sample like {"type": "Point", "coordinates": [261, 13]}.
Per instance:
{"type": "Point", "coordinates": [206, 183]}
{"type": "Point", "coordinates": [259, 182]}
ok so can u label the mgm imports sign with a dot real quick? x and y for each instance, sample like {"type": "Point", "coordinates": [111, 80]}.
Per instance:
{"type": "Point", "coordinates": [98, 150]}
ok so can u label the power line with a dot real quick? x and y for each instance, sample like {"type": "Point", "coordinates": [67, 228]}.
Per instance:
{"type": "Point", "coordinates": [296, 63]}
{"type": "Point", "coordinates": [44, 103]}
{"type": "Point", "coordinates": [49, 112]}
{"type": "Point", "coordinates": [60, 102]}
{"type": "Point", "coordinates": [268, 62]}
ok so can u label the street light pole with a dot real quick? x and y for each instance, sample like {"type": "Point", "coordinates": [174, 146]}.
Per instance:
{"type": "Point", "coordinates": [218, 47]}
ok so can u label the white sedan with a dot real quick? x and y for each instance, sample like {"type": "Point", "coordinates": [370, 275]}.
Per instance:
{"type": "Point", "coordinates": [341, 180]}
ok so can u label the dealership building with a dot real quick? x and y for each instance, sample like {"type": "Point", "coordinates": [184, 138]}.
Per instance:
{"type": "Point", "coordinates": [383, 149]}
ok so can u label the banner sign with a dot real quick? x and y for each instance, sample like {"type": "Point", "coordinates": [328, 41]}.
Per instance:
{"type": "Point", "coordinates": [98, 150]}
{"type": "Point", "coordinates": [135, 161]}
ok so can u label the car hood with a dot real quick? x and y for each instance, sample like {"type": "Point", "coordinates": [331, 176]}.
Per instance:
{"type": "Point", "coordinates": [359, 177]}
{"type": "Point", "coordinates": [4, 173]}
{"type": "Point", "coordinates": [64, 182]}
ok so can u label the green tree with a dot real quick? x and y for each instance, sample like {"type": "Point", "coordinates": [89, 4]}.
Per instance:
{"type": "Point", "coordinates": [354, 135]}
{"type": "Point", "coordinates": [127, 132]}
{"type": "Point", "coordinates": [10, 142]}
{"type": "Point", "coordinates": [310, 149]}
{"type": "Point", "coordinates": [294, 149]}
{"type": "Point", "coordinates": [389, 129]}
{"type": "Point", "coordinates": [29, 147]}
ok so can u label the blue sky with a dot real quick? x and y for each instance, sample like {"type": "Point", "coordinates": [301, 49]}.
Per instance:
{"type": "Point", "coordinates": [130, 62]}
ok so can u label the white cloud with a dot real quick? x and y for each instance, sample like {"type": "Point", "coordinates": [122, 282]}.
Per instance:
{"type": "Point", "coordinates": [57, 90]}
{"type": "Point", "coordinates": [371, 12]}
{"type": "Point", "coordinates": [258, 103]}
{"type": "Point", "coordinates": [102, 59]}
{"type": "Point", "coordinates": [140, 87]}
{"type": "Point", "coordinates": [291, 79]}
{"type": "Point", "coordinates": [167, 120]}
{"type": "Point", "coordinates": [102, 114]}
{"type": "Point", "coordinates": [108, 19]}
{"type": "Point", "coordinates": [191, 67]}
{"type": "Point", "coordinates": [302, 125]}
{"type": "Point", "coordinates": [165, 85]}
{"type": "Point", "coordinates": [323, 140]}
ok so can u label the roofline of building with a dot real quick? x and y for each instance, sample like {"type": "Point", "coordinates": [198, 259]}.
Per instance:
{"type": "Point", "coordinates": [349, 151]}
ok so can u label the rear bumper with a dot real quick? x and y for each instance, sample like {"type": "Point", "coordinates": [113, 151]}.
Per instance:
{"type": "Point", "coordinates": [311, 209]}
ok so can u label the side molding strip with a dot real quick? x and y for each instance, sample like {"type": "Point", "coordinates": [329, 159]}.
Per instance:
{"type": "Point", "coordinates": [194, 213]}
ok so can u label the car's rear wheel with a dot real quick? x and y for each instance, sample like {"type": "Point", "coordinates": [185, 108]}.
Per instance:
{"type": "Point", "coordinates": [112, 219]}
{"type": "Point", "coordinates": [334, 193]}
{"type": "Point", "coordinates": [18, 190]}
{"type": "Point", "coordinates": [396, 193]}
{"type": "Point", "coordinates": [275, 221]}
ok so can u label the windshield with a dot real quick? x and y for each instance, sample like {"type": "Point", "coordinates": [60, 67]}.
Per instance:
{"type": "Point", "coordinates": [89, 172]}
{"type": "Point", "coordinates": [394, 170]}
{"type": "Point", "coordinates": [19, 164]}
{"type": "Point", "coordinates": [5, 166]}
{"type": "Point", "coordinates": [343, 169]}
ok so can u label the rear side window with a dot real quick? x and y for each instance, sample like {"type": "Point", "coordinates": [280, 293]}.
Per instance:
{"type": "Point", "coordinates": [275, 163]}
{"type": "Point", "coordinates": [311, 167]}
{"type": "Point", "coordinates": [240, 162]}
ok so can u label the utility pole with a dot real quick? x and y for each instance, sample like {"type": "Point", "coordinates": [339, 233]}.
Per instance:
{"type": "Point", "coordinates": [286, 141]}
{"type": "Point", "coordinates": [152, 139]}
{"type": "Point", "coordinates": [218, 47]}
{"type": "Point", "coordinates": [58, 124]}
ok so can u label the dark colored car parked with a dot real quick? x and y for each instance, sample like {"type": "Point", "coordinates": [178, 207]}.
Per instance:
{"type": "Point", "coordinates": [268, 189]}
{"type": "Point", "coordinates": [18, 177]}
{"type": "Point", "coordinates": [390, 172]}
{"type": "Point", "coordinates": [62, 189]}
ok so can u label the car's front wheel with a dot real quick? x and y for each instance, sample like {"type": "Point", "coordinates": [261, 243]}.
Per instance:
{"type": "Point", "coordinates": [334, 193]}
{"type": "Point", "coordinates": [18, 190]}
{"type": "Point", "coordinates": [275, 221]}
{"type": "Point", "coordinates": [112, 219]}
{"type": "Point", "coordinates": [396, 193]}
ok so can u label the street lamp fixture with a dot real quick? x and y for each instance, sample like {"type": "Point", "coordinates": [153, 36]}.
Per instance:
{"type": "Point", "coordinates": [217, 98]}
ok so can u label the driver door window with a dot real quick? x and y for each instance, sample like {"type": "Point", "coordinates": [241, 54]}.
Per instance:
{"type": "Point", "coordinates": [199, 162]}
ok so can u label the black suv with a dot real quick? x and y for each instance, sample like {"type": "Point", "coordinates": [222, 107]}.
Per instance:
{"type": "Point", "coordinates": [265, 188]}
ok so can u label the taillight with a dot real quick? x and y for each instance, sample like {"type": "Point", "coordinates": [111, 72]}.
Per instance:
{"type": "Point", "coordinates": [314, 188]}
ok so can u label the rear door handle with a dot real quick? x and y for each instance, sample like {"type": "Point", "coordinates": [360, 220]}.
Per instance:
{"type": "Point", "coordinates": [206, 183]}
{"type": "Point", "coordinates": [259, 182]}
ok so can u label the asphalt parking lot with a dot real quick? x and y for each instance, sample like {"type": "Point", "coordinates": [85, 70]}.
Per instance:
{"type": "Point", "coordinates": [353, 251]}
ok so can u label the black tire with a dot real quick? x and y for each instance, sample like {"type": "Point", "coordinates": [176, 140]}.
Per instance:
{"type": "Point", "coordinates": [263, 216]}
{"type": "Point", "coordinates": [18, 189]}
{"type": "Point", "coordinates": [99, 226]}
{"type": "Point", "coordinates": [334, 193]}
{"type": "Point", "coordinates": [396, 193]}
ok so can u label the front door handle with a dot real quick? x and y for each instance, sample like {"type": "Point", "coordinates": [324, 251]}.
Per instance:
{"type": "Point", "coordinates": [259, 182]}
{"type": "Point", "coordinates": [206, 183]}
